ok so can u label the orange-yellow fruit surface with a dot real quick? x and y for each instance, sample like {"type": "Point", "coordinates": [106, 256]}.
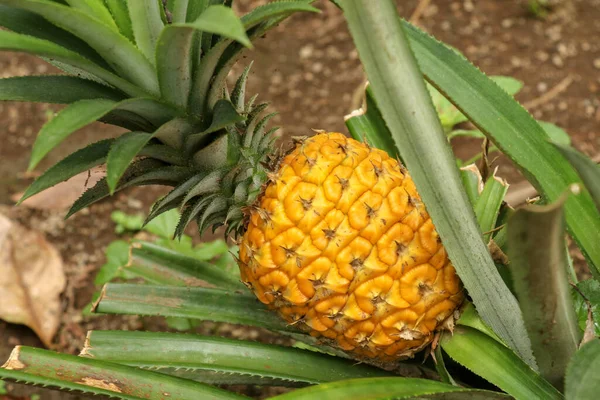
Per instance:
{"type": "Point", "coordinates": [341, 245]}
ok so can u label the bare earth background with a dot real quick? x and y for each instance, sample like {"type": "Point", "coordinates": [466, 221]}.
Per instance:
{"type": "Point", "coordinates": [309, 70]}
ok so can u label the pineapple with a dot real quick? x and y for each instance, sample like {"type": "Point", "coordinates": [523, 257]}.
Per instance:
{"type": "Point", "coordinates": [342, 246]}
{"type": "Point", "coordinates": [333, 235]}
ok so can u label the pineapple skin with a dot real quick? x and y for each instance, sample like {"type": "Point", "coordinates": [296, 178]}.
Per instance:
{"type": "Point", "coordinates": [341, 246]}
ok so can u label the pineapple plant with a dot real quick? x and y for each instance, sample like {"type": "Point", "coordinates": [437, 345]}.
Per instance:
{"type": "Point", "coordinates": [333, 235]}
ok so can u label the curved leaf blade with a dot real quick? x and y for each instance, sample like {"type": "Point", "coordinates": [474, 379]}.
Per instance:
{"type": "Point", "coordinates": [387, 388]}
{"type": "Point", "coordinates": [46, 368]}
{"type": "Point", "coordinates": [539, 269]}
{"type": "Point", "coordinates": [222, 21]}
{"type": "Point", "coordinates": [96, 9]}
{"type": "Point", "coordinates": [168, 267]}
{"type": "Point", "coordinates": [587, 169]}
{"type": "Point", "coordinates": [147, 25]}
{"type": "Point", "coordinates": [195, 303]}
{"type": "Point", "coordinates": [124, 149]}
{"type": "Point", "coordinates": [512, 130]}
{"type": "Point", "coordinates": [120, 14]}
{"type": "Point", "coordinates": [17, 42]}
{"type": "Point", "coordinates": [29, 23]}
{"type": "Point", "coordinates": [158, 351]}
{"type": "Point", "coordinates": [75, 116]}
{"type": "Point", "coordinates": [118, 51]}
{"type": "Point", "coordinates": [79, 161]}
{"type": "Point", "coordinates": [422, 143]}
{"type": "Point", "coordinates": [497, 364]}
{"type": "Point", "coordinates": [59, 89]}
{"type": "Point", "coordinates": [582, 375]}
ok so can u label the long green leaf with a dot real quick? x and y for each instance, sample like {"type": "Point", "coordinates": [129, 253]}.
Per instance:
{"type": "Point", "coordinates": [95, 8]}
{"type": "Point", "coordinates": [195, 353]}
{"type": "Point", "coordinates": [587, 169]}
{"type": "Point", "coordinates": [195, 303]}
{"type": "Point", "coordinates": [416, 129]}
{"type": "Point", "coordinates": [120, 13]}
{"type": "Point", "coordinates": [147, 25]}
{"type": "Point", "coordinates": [174, 56]}
{"type": "Point", "coordinates": [82, 113]}
{"type": "Point", "coordinates": [16, 42]}
{"type": "Point", "coordinates": [168, 267]}
{"type": "Point", "coordinates": [582, 381]}
{"type": "Point", "coordinates": [119, 52]}
{"type": "Point", "coordinates": [488, 205]}
{"type": "Point", "coordinates": [61, 89]}
{"type": "Point", "coordinates": [388, 388]}
{"type": "Point", "coordinates": [124, 149]}
{"type": "Point", "coordinates": [29, 23]}
{"type": "Point", "coordinates": [512, 130]}
{"type": "Point", "coordinates": [73, 117]}
{"type": "Point", "coordinates": [46, 368]}
{"type": "Point", "coordinates": [497, 364]}
{"type": "Point", "coordinates": [79, 161]}
{"type": "Point", "coordinates": [538, 264]}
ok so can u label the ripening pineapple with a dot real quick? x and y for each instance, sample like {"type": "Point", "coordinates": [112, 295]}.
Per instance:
{"type": "Point", "coordinates": [333, 235]}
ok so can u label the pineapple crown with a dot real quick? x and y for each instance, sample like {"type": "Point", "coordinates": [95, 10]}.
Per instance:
{"type": "Point", "coordinates": [159, 69]}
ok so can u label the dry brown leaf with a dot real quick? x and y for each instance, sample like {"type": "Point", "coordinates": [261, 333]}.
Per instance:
{"type": "Point", "coordinates": [63, 195]}
{"type": "Point", "coordinates": [31, 280]}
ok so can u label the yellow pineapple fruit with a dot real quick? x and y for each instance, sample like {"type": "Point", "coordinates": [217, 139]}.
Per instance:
{"type": "Point", "coordinates": [341, 245]}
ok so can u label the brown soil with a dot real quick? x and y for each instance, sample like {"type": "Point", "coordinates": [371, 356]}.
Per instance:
{"type": "Point", "coordinates": [309, 70]}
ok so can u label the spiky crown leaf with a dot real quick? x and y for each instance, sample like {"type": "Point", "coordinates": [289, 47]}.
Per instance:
{"type": "Point", "coordinates": [159, 72]}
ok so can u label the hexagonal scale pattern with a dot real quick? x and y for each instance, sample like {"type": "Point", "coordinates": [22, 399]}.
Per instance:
{"type": "Point", "coordinates": [341, 245]}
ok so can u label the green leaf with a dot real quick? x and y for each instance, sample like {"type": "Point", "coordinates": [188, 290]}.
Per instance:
{"type": "Point", "coordinates": [29, 23]}
{"type": "Point", "coordinates": [191, 355]}
{"type": "Point", "coordinates": [582, 375]}
{"type": "Point", "coordinates": [119, 52]}
{"type": "Point", "coordinates": [276, 9]}
{"type": "Point", "coordinates": [94, 8]}
{"type": "Point", "coordinates": [147, 25]}
{"type": "Point", "coordinates": [497, 364]}
{"type": "Point", "coordinates": [224, 115]}
{"type": "Point", "coordinates": [423, 145]}
{"type": "Point", "coordinates": [587, 169]}
{"type": "Point", "coordinates": [80, 161]}
{"type": "Point", "coordinates": [222, 21]}
{"type": "Point", "coordinates": [61, 89]}
{"type": "Point", "coordinates": [193, 302]}
{"type": "Point", "coordinates": [440, 367]}
{"type": "Point", "coordinates": [73, 117]}
{"type": "Point", "coordinates": [488, 205]}
{"type": "Point", "coordinates": [164, 266]}
{"type": "Point", "coordinates": [538, 264]}
{"type": "Point", "coordinates": [509, 84]}
{"type": "Point", "coordinates": [27, 44]}
{"type": "Point", "coordinates": [512, 130]}
{"type": "Point", "coordinates": [66, 372]}
{"type": "Point", "coordinates": [174, 54]}
{"type": "Point", "coordinates": [591, 290]}
{"type": "Point", "coordinates": [124, 149]}
{"type": "Point", "coordinates": [120, 13]}
{"type": "Point", "coordinates": [368, 125]}
{"type": "Point", "coordinates": [470, 318]}
{"type": "Point", "coordinates": [472, 182]}
{"type": "Point", "coordinates": [555, 133]}
{"type": "Point", "coordinates": [450, 115]}
{"type": "Point", "coordinates": [143, 172]}
{"type": "Point", "coordinates": [388, 388]}
{"type": "Point", "coordinates": [117, 256]}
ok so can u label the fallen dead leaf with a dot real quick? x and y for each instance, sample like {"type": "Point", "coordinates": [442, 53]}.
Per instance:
{"type": "Point", "coordinates": [31, 280]}
{"type": "Point", "coordinates": [63, 195]}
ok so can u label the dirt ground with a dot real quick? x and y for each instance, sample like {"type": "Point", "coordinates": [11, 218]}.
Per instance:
{"type": "Point", "coordinates": [308, 68]}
